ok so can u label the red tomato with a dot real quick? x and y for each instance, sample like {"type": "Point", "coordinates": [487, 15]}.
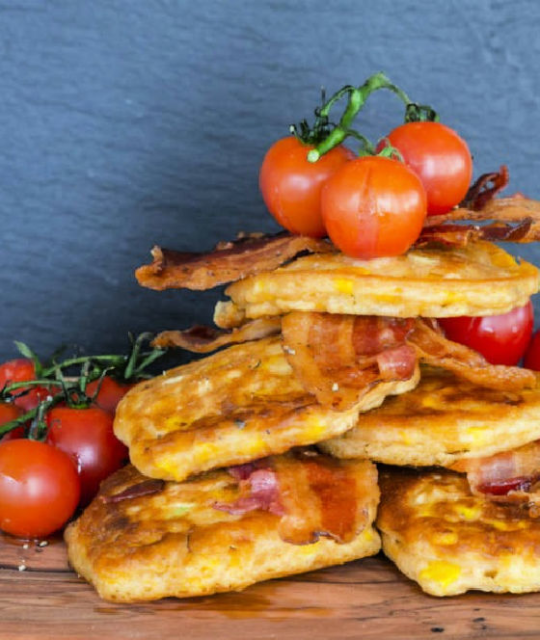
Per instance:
{"type": "Point", "coordinates": [87, 436]}
{"type": "Point", "coordinates": [39, 488]}
{"type": "Point", "coordinates": [291, 186]}
{"type": "Point", "coordinates": [532, 355]}
{"type": "Point", "coordinates": [9, 412]}
{"type": "Point", "coordinates": [439, 157]}
{"type": "Point", "coordinates": [501, 339]}
{"type": "Point", "coordinates": [21, 370]}
{"type": "Point", "coordinates": [110, 392]}
{"type": "Point", "coordinates": [373, 206]}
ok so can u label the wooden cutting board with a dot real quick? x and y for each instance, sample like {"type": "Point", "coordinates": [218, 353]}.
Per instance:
{"type": "Point", "coordinates": [361, 600]}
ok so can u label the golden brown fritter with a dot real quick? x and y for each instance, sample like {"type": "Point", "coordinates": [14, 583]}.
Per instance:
{"type": "Point", "coordinates": [449, 541]}
{"type": "Point", "coordinates": [237, 405]}
{"type": "Point", "coordinates": [206, 535]}
{"type": "Point", "coordinates": [444, 419]}
{"type": "Point", "coordinates": [479, 279]}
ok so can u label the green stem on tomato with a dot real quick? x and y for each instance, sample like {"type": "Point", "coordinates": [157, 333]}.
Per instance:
{"type": "Point", "coordinates": [415, 112]}
{"type": "Point", "coordinates": [71, 388]}
{"type": "Point", "coordinates": [357, 100]}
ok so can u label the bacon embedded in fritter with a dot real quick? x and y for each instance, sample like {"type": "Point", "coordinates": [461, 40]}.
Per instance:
{"type": "Point", "coordinates": [259, 491]}
{"type": "Point", "coordinates": [322, 497]}
{"type": "Point", "coordinates": [228, 262]}
{"type": "Point", "coordinates": [314, 494]}
{"type": "Point", "coordinates": [505, 477]}
{"type": "Point", "coordinates": [145, 488]}
{"type": "Point", "coordinates": [201, 339]}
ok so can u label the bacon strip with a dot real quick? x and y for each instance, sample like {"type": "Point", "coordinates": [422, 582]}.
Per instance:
{"type": "Point", "coordinates": [434, 349]}
{"type": "Point", "coordinates": [486, 188]}
{"type": "Point", "coordinates": [321, 498]}
{"type": "Point", "coordinates": [338, 358]}
{"type": "Point", "coordinates": [201, 339]}
{"type": "Point", "coordinates": [515, 218]}
{"type": "Point", "coordinates": [460, 235]}
{"type": "Point", "coordinates": [228, 262]}
{"type": "Point", "coordinates": [505, 477]}
{"type": "Point", "coordinates": [313, 494]}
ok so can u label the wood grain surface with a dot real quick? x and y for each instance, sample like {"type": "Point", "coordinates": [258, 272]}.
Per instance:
{"type": "Point", "coordinates": [364, 599]}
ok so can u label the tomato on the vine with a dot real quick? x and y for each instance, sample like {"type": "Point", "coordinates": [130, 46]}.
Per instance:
{"type": "Point", "coordinates": [291, 186]}
{"type": "Point", "coordinates": [86, 434]}
{"type": "Point", "coordinates": [39, 488]}
{"type": "Point", "coordinates": [9, 412]}
{"type": "Point", "coordinates": [501, 339]}
{"type": "Point", "coordinates": [373, 206]}
{"type": "Point", "coordinates": [107, 392]}
{"type": "Point", "coordinates": [23, 370]}
{"type": "Point", "coordinates": [440, 157]}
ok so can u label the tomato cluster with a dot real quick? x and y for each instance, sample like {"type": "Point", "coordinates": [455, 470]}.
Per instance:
{"type": "Point", "coordinates": [56, 436]}
{"type": "Point", "coordinates": [370, 206]}
{"type": "Point", "coordinates": [42, 483]}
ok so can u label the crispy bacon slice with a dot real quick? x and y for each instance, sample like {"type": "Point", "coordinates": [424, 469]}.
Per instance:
{"type": "Point", "coordinates": [201, 339]}
{"type": "Point", "coordinates": [434, 349]}
{"type": "Point", "coordinates": [486, 188]}
{"type": "Point", "coordinates": [338, 358]}
{"type": "Point", "coordinates": [228, 262]}
{"type": "Point", "coordinates": [505, 477]}
{"type": "Point", "coordinates": [460, 235]}
{"type": "Point", "coordinates": [514, 218]}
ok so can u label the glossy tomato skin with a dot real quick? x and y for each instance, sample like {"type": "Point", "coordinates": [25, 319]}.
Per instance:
{"type": "Point", "coordinates": [440, 157]}
{"type": "Point", "coordinates": [501, 339]}
{"type": "Point", "coordinates": [373, 206]}
{"type": "Point", "coordinates": [9, 412]}
{"type": "Point", "coordinates": [291, 186]}
{"type": "Point", "coordinates": [22, 370]}
{"type": "Point", "coordinates": [87, 436]}
{"type": "Point", "coordinates": [532, 355]}
{"type": "Point", "coordinates": [39, 488]}
{"type": "Point", "coordinates": [107, 393]}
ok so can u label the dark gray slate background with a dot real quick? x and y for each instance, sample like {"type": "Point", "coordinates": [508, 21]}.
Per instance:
{"type": "Point", "coordinates": [125, 124]}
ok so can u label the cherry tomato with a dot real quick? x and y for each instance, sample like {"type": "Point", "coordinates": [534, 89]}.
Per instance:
{"type": "Point", "coordinates": [441, 159]}
{"type": "Point", "coordinates": [21, 370]}
{"type": "Point", "coordinates": [501, 339]}
{"type": "Point", "coordinates": [107, 393]}
{"type": "Point", "coordinates": [373, 206]}
{"type": "Point", "coordinates": [291, 186]}
{"type": "Point", "coordinates": [39, 488]}
{"type": "Point", "coordinates": [9, 412]}
{"type": "Point", "coordinates": [532, 355]}
{"type": "Point", "coordinates": [87, 436]}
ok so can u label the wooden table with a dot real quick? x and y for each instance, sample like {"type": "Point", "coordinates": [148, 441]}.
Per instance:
{"type": "Point", "coordinates": [362, 600]}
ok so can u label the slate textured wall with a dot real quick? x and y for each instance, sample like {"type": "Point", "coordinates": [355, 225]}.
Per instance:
{"type": "Point", "coordinates": [129, 123]}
